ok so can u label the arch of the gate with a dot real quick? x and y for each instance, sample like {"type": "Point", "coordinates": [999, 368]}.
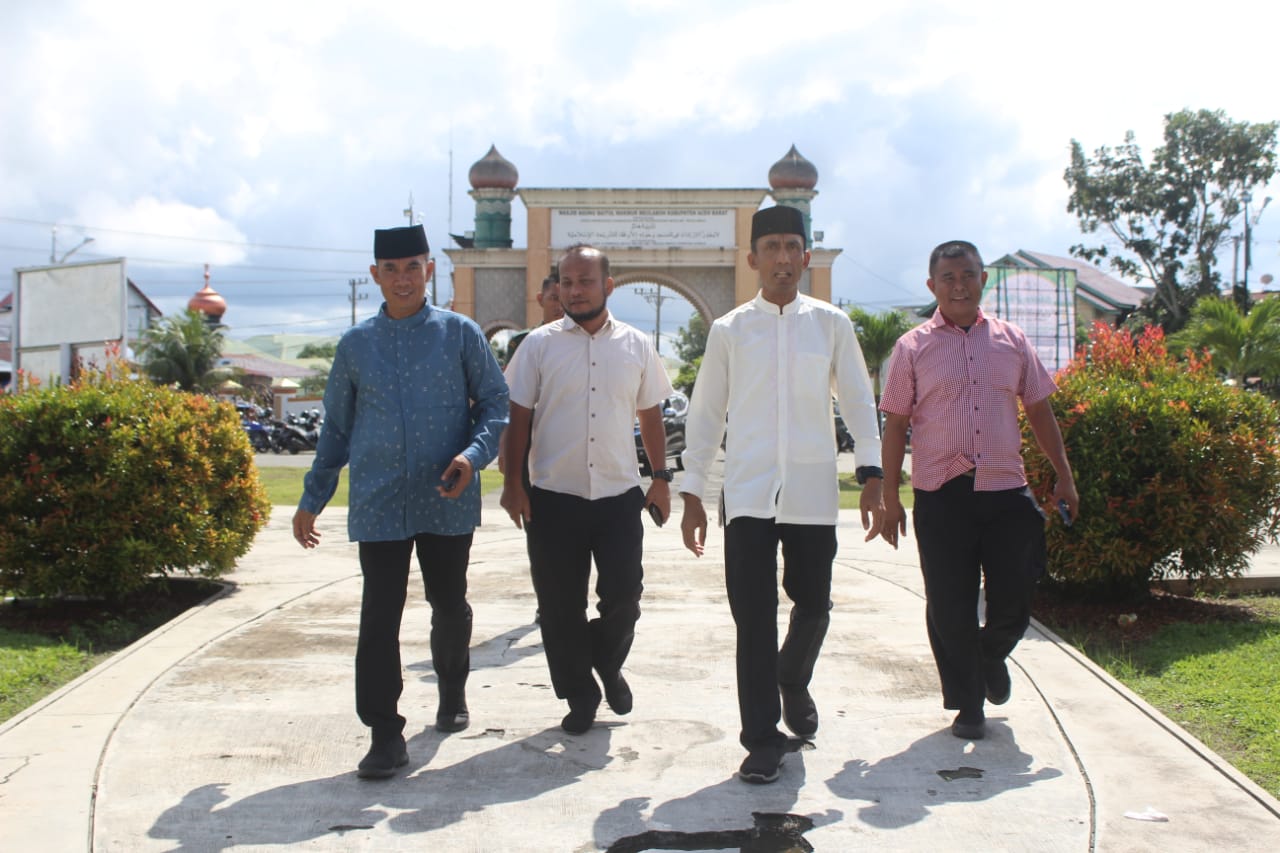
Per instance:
{"type": "Point", "coordinates": [499, 325]}
{"type": "Point", "coordinates": [712, 298]}
{"type": "Point", "coordinates": [695, 241]}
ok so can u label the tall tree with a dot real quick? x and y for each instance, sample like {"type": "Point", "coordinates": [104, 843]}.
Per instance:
{"type": "Point", "coordinates": [1242, 345]}
{"type": "Point", "coordinates": [691, 343]}
{"type": "Point", "coordinates": [316, 382]}
{"type": "Point", "coordinates": [1171, 216]}
{"type": "Point", "coordinates": [877, 333]}
{"type": "Point", "coordinates": [183, 350]}
{"type": "Point", "coordinates": [691, 340]}
{"type": "Point", "coordinates": [325, 350]}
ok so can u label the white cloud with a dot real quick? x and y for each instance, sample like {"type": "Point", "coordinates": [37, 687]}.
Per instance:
{"type": "Point", "coordinates": [183, 234]}
{"type": "Point", "coordinates": [308, 123]}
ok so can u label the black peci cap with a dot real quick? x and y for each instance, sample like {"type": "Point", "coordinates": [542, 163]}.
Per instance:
{"type": "Point", "coordinates": [404, 242]}
{"type": "Point", "coordinates": [778, 219]}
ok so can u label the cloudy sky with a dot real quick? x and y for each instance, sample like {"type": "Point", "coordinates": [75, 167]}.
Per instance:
{"type": "Point", "coordinates": [268, 138]}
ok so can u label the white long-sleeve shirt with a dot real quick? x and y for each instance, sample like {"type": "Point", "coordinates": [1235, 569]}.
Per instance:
{"type": "Point", "coordinates": [768, 374]}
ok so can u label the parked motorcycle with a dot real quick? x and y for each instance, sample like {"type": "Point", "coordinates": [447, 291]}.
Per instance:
{"type": "Point", "coordinates": [259, 435]}
{"type": "Point", "coordinates": [256, 425]}
{"type": "Point", "coordinates": [297, 432]}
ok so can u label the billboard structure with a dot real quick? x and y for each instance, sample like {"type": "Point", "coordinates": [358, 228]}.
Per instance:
{"type": "Point", "coordinates": [69, 314]}
{"type": "Point", "coordinates": [1041, 302]}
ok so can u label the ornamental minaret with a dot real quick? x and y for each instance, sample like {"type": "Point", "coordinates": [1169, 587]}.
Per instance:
{"type": "Point", "coordinates": [208, 302]}
{"type": "Point", "coordinates": [493, 181]}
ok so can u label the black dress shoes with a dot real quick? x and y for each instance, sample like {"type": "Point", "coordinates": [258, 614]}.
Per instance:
{"type": "Point", "coordinates": [454, 721]}
{"type": "Point", "coordinates": [617, 693]}
{"type": "Point", "coordinates": [384, 757]}
{"type": "Point", "coordinates": [996, 675]}
{"type": "Point", "coordinates": [969, 726]}
{"type": "Point", "coordinates": [580, 718]}
{"type": "Point", "coordinates": [798, 711]}
{"type": "Point", "coordinates": [762, 765]}
{"type": "Point", "coordinates": [452, 714]}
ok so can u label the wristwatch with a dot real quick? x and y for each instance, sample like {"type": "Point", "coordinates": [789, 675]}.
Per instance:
{"type": "Point", "coordinates": [862, 472]}
{"type": "Point", "coordinates": [667, 474]}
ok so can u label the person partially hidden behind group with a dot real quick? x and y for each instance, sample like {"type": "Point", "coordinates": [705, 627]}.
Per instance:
{"type": "Point", "coordinates": [416, 403]}
{"type": "Point", "coordinates": [549, 302]}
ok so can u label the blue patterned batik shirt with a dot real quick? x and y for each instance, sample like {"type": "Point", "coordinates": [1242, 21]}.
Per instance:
{"type": "Point", "coordinates": [404, 397]}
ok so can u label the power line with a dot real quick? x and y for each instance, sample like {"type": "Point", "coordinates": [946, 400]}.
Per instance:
{"type": "Point", "coordinates": [224, 279]}
{"type": "Point", "coordinates": [170, 262]}
{"type": "Point", "coordinates": [877, 275]}
{"type": "Point", "coordinates": [210, 240]}
{"type": "Point", "coordinates": [334, 320]}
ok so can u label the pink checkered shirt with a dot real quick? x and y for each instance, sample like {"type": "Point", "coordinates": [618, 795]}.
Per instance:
{"type": "Point", "coordinates": [960, 390]}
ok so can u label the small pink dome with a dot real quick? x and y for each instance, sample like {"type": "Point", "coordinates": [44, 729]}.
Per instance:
{"type": "Point", "coordinates": [208, 301]}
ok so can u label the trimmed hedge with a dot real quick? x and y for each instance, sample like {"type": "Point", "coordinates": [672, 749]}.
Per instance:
{"type": "Point", "coordinates": [1177, 472]}
{"type": "Point", "coordinates": [107, 482]}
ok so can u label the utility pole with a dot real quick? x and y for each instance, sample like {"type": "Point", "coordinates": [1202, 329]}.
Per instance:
{"type": "Point", "coordinates": [654, 296]}
{"type": "Point", "coordinates": [1235, 268]}
{"type": "Point", "coordinates": [53, 248]}
{"type": "Point", "coordinates": [1244, 287]}
{"type": "Point", "coordinates": [355, 297]}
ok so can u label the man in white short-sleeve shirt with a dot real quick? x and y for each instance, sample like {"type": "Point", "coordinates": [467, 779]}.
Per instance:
{"type": "Point", "coordinates": [581, 382]}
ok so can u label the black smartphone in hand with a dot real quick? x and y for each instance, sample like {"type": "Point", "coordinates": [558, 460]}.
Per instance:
{"type": "Point", "coordinates": [452, 481]}
{"type": "Point", "coordinates": [1065, 512]}
{"type": "Point", "coordinates": [656, 514]}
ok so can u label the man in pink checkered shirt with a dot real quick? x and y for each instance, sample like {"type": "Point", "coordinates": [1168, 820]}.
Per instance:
{"type": "Point", "coordinates": [956, 380]}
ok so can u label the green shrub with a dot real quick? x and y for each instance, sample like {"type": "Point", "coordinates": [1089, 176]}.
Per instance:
{"type": "Point", "coordinates": [1177, 472]}
{"type": "Point", "coordinates": [106, 482]}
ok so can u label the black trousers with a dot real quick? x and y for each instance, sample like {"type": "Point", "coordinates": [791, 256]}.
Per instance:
{"type": "Point", "coordinates": [964, 537]}
{"type": "Point", "coordinates": [385, 566]}
{"type": "Point", "coordinates": [566, 532]}
{"type": "Point", "coordinates": [751, 580]}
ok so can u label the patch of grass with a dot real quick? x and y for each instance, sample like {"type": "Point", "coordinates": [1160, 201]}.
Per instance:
{"type": "Point", "coordinates": [1216, 675]}
{"type": "Point", "coordinates": [851, 492]}
{"type": "Point", "coordinates": [33, 666]}
{"type": "Point", "coordinates": [46, 643]}
{"type": "Point", "coordinates": [284, 485]}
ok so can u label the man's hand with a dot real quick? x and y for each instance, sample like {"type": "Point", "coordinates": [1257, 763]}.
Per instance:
{"type": "Point", "coordinates": [456, 477]}
{"type": "Point", "coordinates": [693, 524]}
{"type": "Point", "coordinates": [659, 495]}
{"type": "Point", "coordinates": [1065, 490]}
{"type": "Point", "coordinates": [870, 503]}
{"type": "Point", "coordinates": [515, 500]}
{"type": "Point", "coordinates": [895, 519]}
{"type": "Point", "coordinates": [304, 529]}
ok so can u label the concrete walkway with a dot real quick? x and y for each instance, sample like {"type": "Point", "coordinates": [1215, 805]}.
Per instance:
{"type": "Point", "coordinates": [233, 728]}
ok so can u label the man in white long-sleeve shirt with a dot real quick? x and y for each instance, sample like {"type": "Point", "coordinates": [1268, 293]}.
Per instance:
{"type": "Point", "coordinates": [767, 375]}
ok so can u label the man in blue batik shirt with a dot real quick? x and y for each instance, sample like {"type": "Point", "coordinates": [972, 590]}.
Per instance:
{"type": "Point", "coordinates": [416, 403]}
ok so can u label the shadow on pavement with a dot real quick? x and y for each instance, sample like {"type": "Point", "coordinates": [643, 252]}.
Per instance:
{"type": "Point", "coordinates": [421, 800]}
{"type": "Point", "coordinates": [902, 789]}
{"type": "Point", "coordinates": [730, 801]}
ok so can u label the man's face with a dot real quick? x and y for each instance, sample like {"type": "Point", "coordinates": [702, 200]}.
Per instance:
{"type": "Point", "coordinates": [957, 285]}
{"type": "Point", "coordinates": [549, 299]}
{"type": "Point", "coordinates": [780, 259]}
{"type": "Point", "coordinates": [583, 291]}
{"type": "Point", "coordinates": [403, 282]}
